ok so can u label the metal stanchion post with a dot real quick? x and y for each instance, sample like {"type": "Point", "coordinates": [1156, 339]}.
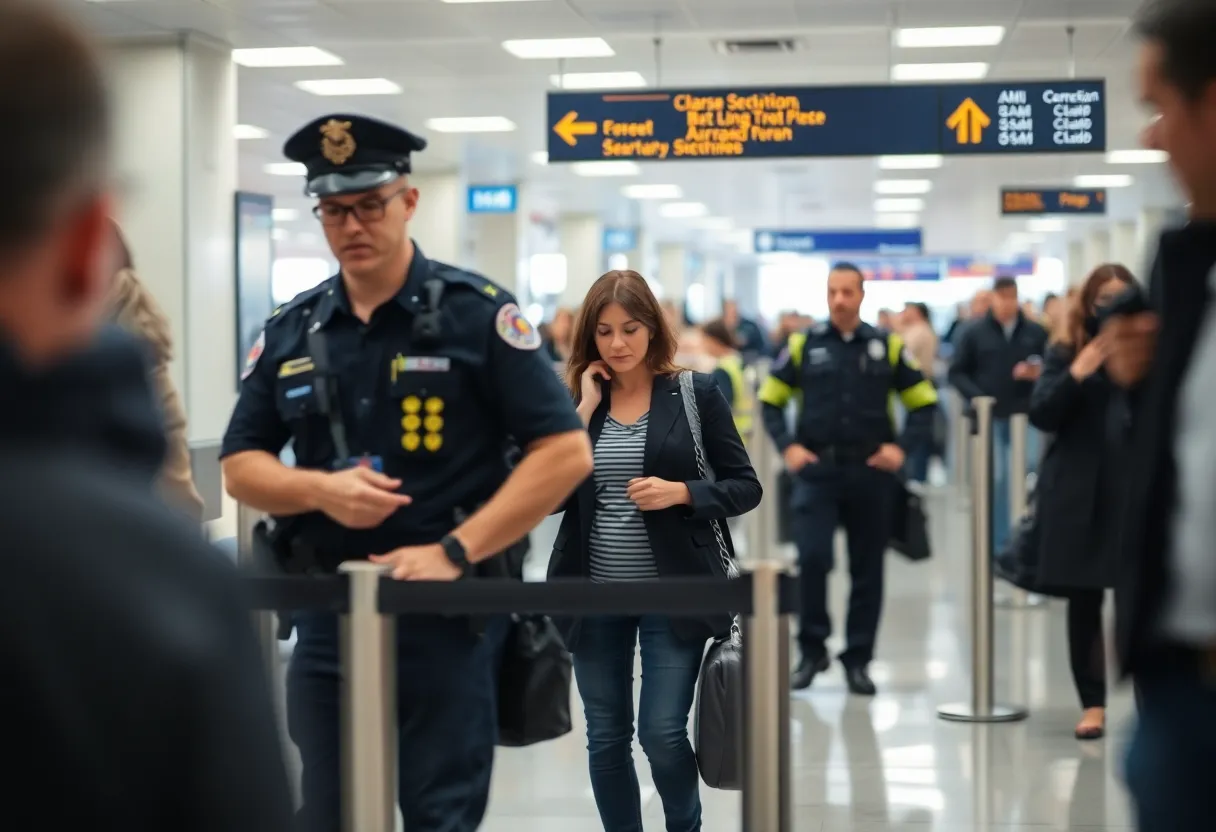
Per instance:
{"type": "Point", "coordinates": [369, 706]}
{"type": "Point", "coordinates": [981, 708]}
{"type": "Point", "coordinates": [1019, 427]}
{"type": "Point", "coordinates": [767, 786]}
{"type": "Point", "coordinates": [961, 435]}
{"type": "Point", "coordinates": [264, 621]}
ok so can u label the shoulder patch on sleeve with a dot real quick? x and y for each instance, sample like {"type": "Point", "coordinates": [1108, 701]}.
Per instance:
{"type": "Point", "coordinates": [255, 353]}
{"type": "Point", "coordinates": [515, 329]}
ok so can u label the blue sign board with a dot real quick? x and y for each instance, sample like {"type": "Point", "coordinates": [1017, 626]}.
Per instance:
{"type": "Point", "coordinates": [1040, 201]}
{"type": "Point", "coordinates": [976, 266]}
{"type": "Point", "coordinates": [492, 199]}
{"type": "Point", "coordinates": [877, 241]}
{"type": "Point", "coordinates": [749, 123]}
{"type": "Point", "coordinates": [900, 268]}
{"type": "Point", "coordinates": [620, 239]}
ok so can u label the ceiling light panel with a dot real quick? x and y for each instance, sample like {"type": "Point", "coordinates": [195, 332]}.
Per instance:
{"type": "Point", "coordinates": [554, 48]}
{"type": "Point", "coordinates": [598, 80]}
{"type": "Point", "coordinates": [653, 191]}
{"type": "Point", "coordinates": [472, 124]}
{"type": "Point", "coordinates": [899, 205]}
{"type": "Point", "coordinates": [683, 210]}
{"type": "Point", "coordinates": [249, 132]}
{"type": "Point", "coordinates": [286, 169]}
{"type": "Point", "coordinates": [611, 167]}
{"type": "Point", "coordinates": [902, 187]}
{"type": "Point", "coordinates": [948, 36]}
{"type": "Point", "coordinates": [285, 57]}
{"type": "Point", "coordinates": [939, 72]}
{"type": "Point", "coordinates": [1136, 157]}
{"type": "Point", "coordinates": [922, 162]}
{"type": "Point", "coordinates": [1103, 180]}
{"type": "Point", "coordinates": [350, 86]}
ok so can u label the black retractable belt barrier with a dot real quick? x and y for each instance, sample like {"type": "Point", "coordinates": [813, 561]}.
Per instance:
{"type": "Point", "coordinates": [291, 593]}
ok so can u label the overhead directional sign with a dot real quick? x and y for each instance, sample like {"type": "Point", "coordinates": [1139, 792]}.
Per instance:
{"type": "Point", "coordinates": [1040, 201]}
{"type": "Point", "coordinates": [876, 241]}
{"type": "Point", "coordinates": [742, 123]}
{"type": "Point", "coordinates": [901, 268]}
{"type": "Point", "coordinates": [492, 199]}
{"type": "Point", "coordinates": [978, 266]}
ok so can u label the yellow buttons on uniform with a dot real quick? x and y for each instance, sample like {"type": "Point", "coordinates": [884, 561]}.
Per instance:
{"type": "Point", "coordinates": [433, 442]}
{"type": "Point", "coordinates": [434, 405]}
{"type": "Point", "coordinates": [412, 422]}
{"type": "Point", "coordinates": [411, 404]}
{"type": "Point", "coordinates": [410, 441]}
{"type": "Point", "coordinates": [434, 424]}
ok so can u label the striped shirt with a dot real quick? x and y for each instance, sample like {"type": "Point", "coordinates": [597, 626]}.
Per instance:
{"type": "Point", "coordinates": [620, 549]}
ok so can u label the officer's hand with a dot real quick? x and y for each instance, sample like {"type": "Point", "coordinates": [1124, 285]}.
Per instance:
{"type": "Point", "coordinates": [591, 393]}
{"type": "Point", "coordinates": [654, 494]}
{"type": "Point", "coordinates": [360, 498]}
{"type": "Point", "coordinates": [419, 563]}
{"type": "Point", "coordinates": [797, 457]}
{"type": "Point", "coordinates": [889, 458]}
{"type": "Point", "coordinates": [1132, 342]}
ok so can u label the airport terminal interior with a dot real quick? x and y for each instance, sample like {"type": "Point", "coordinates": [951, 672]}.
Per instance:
{"type": "Point", "coordinates": [728, 150]}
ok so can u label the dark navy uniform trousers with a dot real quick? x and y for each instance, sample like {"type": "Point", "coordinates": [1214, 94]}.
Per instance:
{"type": "Point", "coordinates": [827, 495]}
{"type": "Point", "coordinates": [446, 711]}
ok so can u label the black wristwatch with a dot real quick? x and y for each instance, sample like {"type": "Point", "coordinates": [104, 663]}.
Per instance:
{"type": "Point", "coordinates": [455, 551]}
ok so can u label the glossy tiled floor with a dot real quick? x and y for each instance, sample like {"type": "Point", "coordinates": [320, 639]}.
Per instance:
{"type": "Point", "coordinates": [890, 763]}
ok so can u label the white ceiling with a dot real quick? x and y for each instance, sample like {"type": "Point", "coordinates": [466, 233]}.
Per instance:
{"type": "Point", "coordinates": [448, 59]}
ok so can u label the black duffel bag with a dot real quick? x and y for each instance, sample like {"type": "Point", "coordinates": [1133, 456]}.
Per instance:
{"type": "Point", "coordinates": [533, 683]}
{"type": "Point", "coordinates": [909, 527]}
{"type": "Point", "coordinates": [718, 724]}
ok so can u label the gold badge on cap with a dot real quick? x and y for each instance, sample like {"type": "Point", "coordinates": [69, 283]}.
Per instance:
{"type": "Point", "coordinates": [337, 144]}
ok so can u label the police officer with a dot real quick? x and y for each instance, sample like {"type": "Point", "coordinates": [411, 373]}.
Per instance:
{"type": "Point", "coordinates": [844, 456]}
{"type": "Point", "coordinates": [399, 382]}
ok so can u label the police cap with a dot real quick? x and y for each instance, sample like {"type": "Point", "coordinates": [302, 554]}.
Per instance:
{"type": "Point", "coordinates": [348, 154]}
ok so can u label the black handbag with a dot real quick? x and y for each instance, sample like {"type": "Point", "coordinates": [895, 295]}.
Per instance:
{"type": "Point", "coordinates": [717, 726]}
{"type": "Point", "coordinates": [533, 683]}
{"type": "Point", "coordinates": [1018, 562]}
{"type": "Point", "coordinates": [909, 528]}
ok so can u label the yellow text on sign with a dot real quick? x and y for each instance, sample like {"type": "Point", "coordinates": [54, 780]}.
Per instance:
{"type": "Point", "coordinates": [1029, 202]}
{"type": "Point", "coordinates": [968, 122]}
{"type": "Point", "coordinates": [1071, 200]}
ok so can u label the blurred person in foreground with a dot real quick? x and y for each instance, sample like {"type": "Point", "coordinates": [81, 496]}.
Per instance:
{"type": "Point", "coordinates": [1080, 483]}
{"type": "Point", "coordinates": [131, 306]}
{"type": "Point", "coordinates": [133, 689]}
{"type": "Point", "coordinates": [1165, 601]}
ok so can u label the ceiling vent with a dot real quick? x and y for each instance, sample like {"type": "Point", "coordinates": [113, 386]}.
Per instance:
{"type": "Point", "coordinates": [757, 46]}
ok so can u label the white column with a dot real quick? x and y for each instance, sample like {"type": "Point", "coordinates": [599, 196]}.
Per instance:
{"type": "Point", "coordinates": [746, 289]}
{"type": "Point", "coordinates": [1123, 244]}
{"type": "Point", "coordinates": [495, 243]}
{"type": "Point", "coordinates": [1077, 268]}
{"type": "Point", "coordinates": [175, 109]}
{"type": "Point", "coordinates": [1097, 249]}
{"type": "Point", "coordinates": [673, 272]}
{"type": "Point", "coordinates": [1149, 225]}
{"type": "Point", "coordinates": [581, 238]}
{"type": "Point", "coordinates": [438, 226]}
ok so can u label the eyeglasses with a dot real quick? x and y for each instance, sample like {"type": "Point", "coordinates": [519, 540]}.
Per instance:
{"type": "Point", "coordinates": [367, 210]}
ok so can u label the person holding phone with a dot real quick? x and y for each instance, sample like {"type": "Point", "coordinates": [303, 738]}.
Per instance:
{"type": "Point", "coordinates": [1001, 355]}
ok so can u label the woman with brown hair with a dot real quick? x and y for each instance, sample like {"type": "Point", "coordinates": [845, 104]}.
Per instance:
{"type": "Point", "coordinates": [652, 509]}
{"type": "Point", "coordinates": [1079, 483]}
{"type": "Point", "coordinates": [133, 308]}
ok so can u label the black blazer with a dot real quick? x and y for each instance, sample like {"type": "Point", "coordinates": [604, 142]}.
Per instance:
{"type": "Point", "coordinates": [681, 537]}
{"type": "Point", "coordinates": [1178, 291]}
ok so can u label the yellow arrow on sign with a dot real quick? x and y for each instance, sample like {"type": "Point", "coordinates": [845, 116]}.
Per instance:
{"type": "Point", "coordinates": [968, 122]}
{"type": "Point", "coordinates": [569, 128]}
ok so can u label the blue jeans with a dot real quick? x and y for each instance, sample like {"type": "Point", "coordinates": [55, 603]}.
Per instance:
{"type": "Point", "coordinates": [1002, 521]}
{"type": "Point", "coordinates": [1170, 759]}
{"type": "Point", "coordinates": [603, 669]}
{"type": "Point", "coordinates": [447, 721]}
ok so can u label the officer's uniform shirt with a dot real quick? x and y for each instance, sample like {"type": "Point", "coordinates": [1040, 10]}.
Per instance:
{"type": "Point", "coordinates": [437, 417]}
{"type": "Point", "coordinates": [845, 383]}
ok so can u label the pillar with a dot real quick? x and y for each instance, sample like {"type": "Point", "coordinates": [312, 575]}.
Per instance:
{"type": "Point", "coordinates": [1076, 263]}
{"type": "Point", "coordinates": [175, 110]}
{"type": "Point", "coordinates": [1097, 249]}
{"type": "Point", "coordinates": [438, 226]}
{"type": "Point", "coordinates": [745, 288]}
{"type": "Point", "coordinates": [673, 272]}
{"type": "Point", "coordinates": [1123, 244]}
{"type": "Point", "coordinates": [495, 244]}
{"type": "Point", "coordinates": [1149, 225]}
{"type": "Point", "coordinates": [581, 240]}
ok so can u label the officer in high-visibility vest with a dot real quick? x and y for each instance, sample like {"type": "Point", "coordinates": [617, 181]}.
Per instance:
{"type": "Point", "coordinates": [721, 344]}
{"type": "Point", "coordinates": [845, 455]}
